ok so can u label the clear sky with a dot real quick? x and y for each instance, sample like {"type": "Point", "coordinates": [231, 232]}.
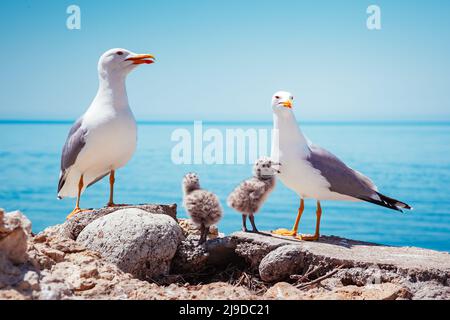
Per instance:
{"type": "Point", "coordinates": [223, 59]}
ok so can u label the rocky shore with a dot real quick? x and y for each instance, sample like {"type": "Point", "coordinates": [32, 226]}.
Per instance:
{"type": "Point", "coordinates": [145, 252]}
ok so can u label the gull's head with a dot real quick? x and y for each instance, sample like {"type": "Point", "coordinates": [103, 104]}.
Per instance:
{"type": "Point", "coordinates": [282, 102]}
{"type": "Point", "coordinates": [265, 168]}
{"type": "Point", "coordinates": [120, 62]}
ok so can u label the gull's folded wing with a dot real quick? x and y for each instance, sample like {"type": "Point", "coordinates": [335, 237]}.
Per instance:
{"type": "Point", "coordinates": [73, 146]}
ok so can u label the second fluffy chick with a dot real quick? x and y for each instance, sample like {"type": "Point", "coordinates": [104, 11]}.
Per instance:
{"type": "Point", "coordinates": [248, 197]}
{"type": "Point", "coordinates": [202, 206]}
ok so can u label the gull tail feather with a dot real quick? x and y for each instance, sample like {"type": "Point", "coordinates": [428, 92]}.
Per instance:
{"type": "Point", "coordinates": [61, 182]}
{"type": "Point", "coordinates": [387, 202]}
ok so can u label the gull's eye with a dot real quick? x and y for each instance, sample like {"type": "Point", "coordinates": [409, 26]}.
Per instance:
{"type": "Point", "coordinates": [277, 97]}
{"type": "Point", "coordinates": [292, 98]}
{"type": "Point", "coordinates": [119, 53]}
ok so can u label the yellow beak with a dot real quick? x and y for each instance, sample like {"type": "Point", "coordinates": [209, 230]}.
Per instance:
{"type": "Point", "coordinates": [287, 104]}
{"type": "Point", "coordinates": [142, 59]}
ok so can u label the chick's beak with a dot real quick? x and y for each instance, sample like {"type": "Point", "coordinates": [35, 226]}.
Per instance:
{"type": "Point", "coordinates": [287, 104]}
{"type": "Point", "coordinates": [141, 59]}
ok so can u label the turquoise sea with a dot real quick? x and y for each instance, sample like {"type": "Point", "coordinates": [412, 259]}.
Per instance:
{"type": "Point", "coordinates": [408, 161]}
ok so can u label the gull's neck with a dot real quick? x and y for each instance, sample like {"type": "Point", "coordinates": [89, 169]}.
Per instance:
{"type": "Point", "coordinates": [287, 136]}
{"type": "Point", "coordinates": [112, 91]}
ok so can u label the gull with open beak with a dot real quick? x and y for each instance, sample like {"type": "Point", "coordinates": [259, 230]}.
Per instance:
{"type": "Point", "coordinates": [313, 172]}
{"type": "Point", "coordinates": [103, 139]}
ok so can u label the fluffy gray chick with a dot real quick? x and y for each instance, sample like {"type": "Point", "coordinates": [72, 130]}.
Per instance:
{"type": "Point", "coordinates": [248, 197]}
{"type": "Point", "coordinates": [202, 206]}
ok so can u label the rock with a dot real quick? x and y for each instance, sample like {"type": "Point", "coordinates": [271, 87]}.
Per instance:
{"type": "Point", "coordinates": [18, 278]}
{"type": "Point", "coordinates": [15, 229]}
{"type": "Point", "coordinates": [282, 262]}
{"type": "Point", "coordinates": [361, 276]}
{"type": "Point", "coordinates": [57, 267]}
{"type": "Point", "coordinates": [72, 227]}
{"type": "Point", "coordinates": [383, 291]}
{"type": "Point", "coordinates": [221, 291]}
{"type": "Point", "coordinates": [414, 264]}
{"type": "Point", "coordinates": [53, 254]}
{"type": "Point", "coordinates": [10, 274]}
{"type": "Point", "coordinates": [217, 253]}
{"type": "Point", "coordinates": [254, 247]}
{"type": "Point", "coordinates": [137, 242]}
{"type": "Point", "coordinates": [30, 281]}
{"type": "Point", "coordinates": [430, 290]}
{"type": "Point", "coordinates": [283, 291]}
{"type": "Point", "coordinates": [189, 228]}
{"type": "Point", "coordinates": [23, 279]}
{"type": "Point", "coordinates": [189, 257]}
{"type": "Point", "coordinates": [12, 294]}
{"type": "Point", "coordinates": [211, 291]}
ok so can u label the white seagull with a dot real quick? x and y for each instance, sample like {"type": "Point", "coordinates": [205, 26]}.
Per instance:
{"type": "Point", "coordinates": [313, 172]}
{"type": "Point", "coordinates": [103, 139]}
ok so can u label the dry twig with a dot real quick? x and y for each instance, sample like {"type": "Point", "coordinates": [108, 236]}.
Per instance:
{"type": "Point", "coordinates": [318, 280]}
{"type": "Point", "coordinates": [301, 278]}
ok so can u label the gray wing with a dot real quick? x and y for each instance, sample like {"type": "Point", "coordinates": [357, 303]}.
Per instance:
{"type": "Point", "coordinates": [74, 144]}
{"type": "Point", "coordinates": [342, 179]}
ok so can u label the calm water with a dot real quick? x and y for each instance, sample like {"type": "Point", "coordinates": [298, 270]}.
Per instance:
{"type": "Point", "coordinates": [410, 162]}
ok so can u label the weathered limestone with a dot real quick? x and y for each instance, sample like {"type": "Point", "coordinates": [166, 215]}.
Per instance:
{"type": "Point", "coordinates": [138, 242]}
{"type": "Point", "coordinates": [51, 265]}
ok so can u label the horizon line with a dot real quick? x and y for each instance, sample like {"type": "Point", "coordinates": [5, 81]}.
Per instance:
{"type": "Point", "coordinates": [306, 122]}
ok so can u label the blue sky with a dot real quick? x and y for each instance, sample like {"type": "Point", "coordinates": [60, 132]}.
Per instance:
{"type": "Point", "coordinates": [222, 60]}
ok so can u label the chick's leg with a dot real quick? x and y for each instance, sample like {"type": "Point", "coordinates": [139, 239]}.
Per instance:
{"type": "Point", "coordinates": [203, 234]}
{"type": "Point", "coordinates": [244, 223]}
{"type": "Point", "coordinates": [294, 231]}
{"type": "Point", "coordinates": [252, 221]}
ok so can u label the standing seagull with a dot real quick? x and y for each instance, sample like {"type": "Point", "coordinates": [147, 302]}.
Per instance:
{"type": "Point", "coordinates": [103, 139]}
{"type": "Point", "coordinates": [313, 172]}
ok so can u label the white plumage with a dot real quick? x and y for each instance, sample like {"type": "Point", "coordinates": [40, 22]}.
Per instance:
{"type": "Point", "coordinates": [313, 172]}
{"type": "Point", "coordinates": [103, 139]}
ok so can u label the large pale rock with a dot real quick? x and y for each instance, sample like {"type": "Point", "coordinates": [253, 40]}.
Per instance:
{"type": "Point", "coordinates": [282, 262]}
{"type": "Point", "coordinates": [72, 227]}
{"type": "Point", "coordinates": [15, 229]}
{"type": "Point", "coordinates": [138, 242]}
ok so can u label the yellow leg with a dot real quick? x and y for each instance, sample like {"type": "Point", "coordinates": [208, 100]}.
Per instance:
{"type": "Point", "coordinates": [293, 232]}
{"type": "Point", "coordinates": [77, 205]}
{"type": "Point", "coordinates": [316, 235]}
{"type": "Point", "coordinates": [112, 179]}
